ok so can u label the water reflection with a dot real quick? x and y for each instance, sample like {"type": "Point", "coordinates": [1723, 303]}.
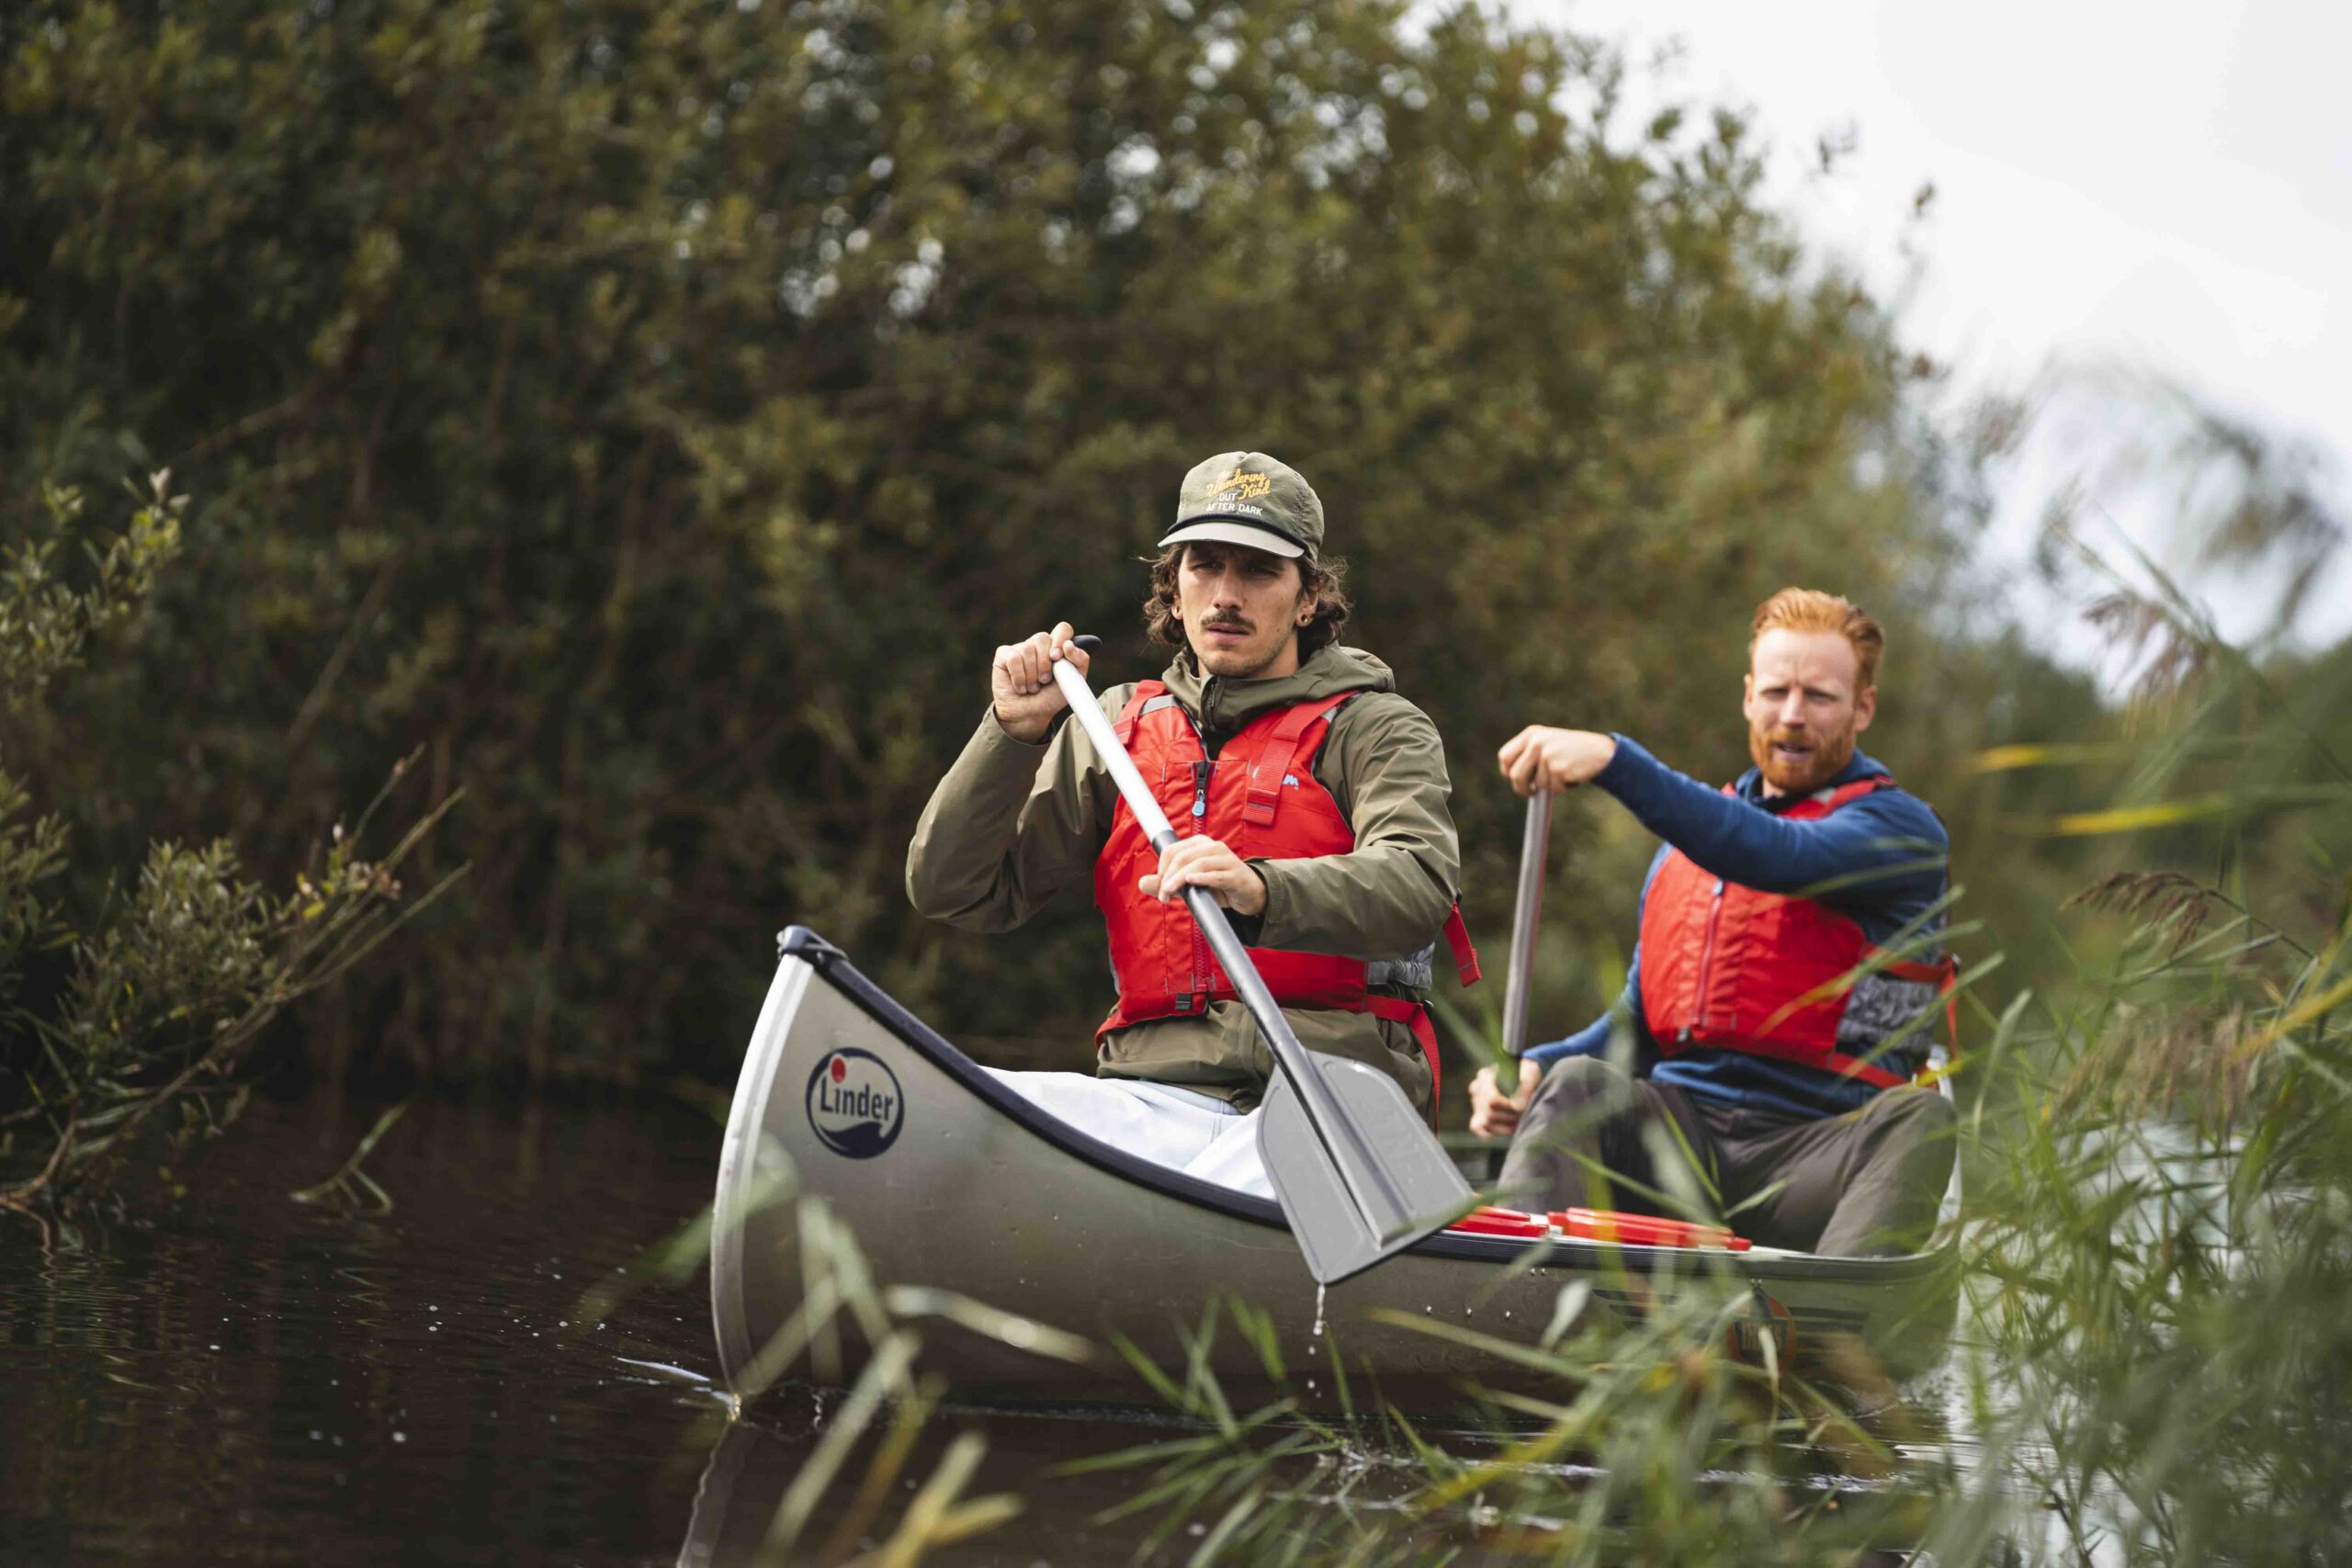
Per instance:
{"type": "Point", "coordinates": [246, 1378]}
{"type": "Point", "coordinates": [1089, 1517]}
{"type": "Point", "coordinates": [1068, 1519]}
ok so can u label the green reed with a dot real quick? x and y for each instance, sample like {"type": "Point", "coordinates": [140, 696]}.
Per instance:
{"type": "Point", "coordinates": [2160, 1241]}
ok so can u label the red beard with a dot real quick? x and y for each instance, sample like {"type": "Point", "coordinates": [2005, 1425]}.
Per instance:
{"type": "Point", "coordinates": [1825, 758]}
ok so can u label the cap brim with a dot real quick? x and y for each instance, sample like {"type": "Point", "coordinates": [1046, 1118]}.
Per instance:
{"type": "Point", "coordinates": [1235, 531]}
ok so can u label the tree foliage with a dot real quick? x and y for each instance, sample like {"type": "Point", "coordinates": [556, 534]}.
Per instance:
{"type": "Point", "coordinates": [656, 412]}
{"type": "Point", "coordinates": [145, 1003]}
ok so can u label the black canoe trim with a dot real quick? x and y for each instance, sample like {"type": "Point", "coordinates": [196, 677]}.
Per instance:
{"type": "Point", "coordinates": [799, 941]}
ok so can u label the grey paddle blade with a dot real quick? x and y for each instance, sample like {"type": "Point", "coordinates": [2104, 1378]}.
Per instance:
{"type": "Point", "coordinates": [1349, 1207]}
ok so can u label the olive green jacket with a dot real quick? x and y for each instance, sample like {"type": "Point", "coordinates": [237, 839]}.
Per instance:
{"type": "Point", "coordinates": [1014, 824]}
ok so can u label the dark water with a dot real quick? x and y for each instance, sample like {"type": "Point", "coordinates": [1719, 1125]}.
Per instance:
{"type": "Point", "coordinates": [246, 1378]}
{"type": "Point", "coordinates": [237, 1378]}
{"type": "Point", "coordinates": [241, 1378]}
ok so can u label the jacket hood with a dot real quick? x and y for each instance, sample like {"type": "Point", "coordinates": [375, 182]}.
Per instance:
{"type": "Point", "coordinates": [1220, 706]}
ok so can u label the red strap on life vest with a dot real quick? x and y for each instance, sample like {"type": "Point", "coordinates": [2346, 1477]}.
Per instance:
{"type": "Point", "coordinates": [1944, 975]}
{"type": "Point", "coordinates": [1457, 937]}
{"type": "Point", "coordinates": [1284, 754]}
{"type": "Point", "coordinates": [1123, 727]}
{"type": "Point", "coordinates": [1835, 1061]}
{"type": "Point", "coordinates": [1416, 1017]}
{"type": "Point", "coordinates": [1855, 1068]}
{"type": "Point", "coordinates": [1952, 1012]}
{"type": "Point", "coordinates": [1855, 791]}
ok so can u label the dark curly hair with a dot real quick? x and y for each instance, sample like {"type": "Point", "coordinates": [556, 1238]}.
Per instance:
{"type": "Point", "coordinates": [1323, 581]}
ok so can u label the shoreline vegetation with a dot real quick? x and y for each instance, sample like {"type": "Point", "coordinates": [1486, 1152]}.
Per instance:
{"type": "Point", "coordinates": [134, 1013]}
{"type": "Point", "coordinates": [640, 420]}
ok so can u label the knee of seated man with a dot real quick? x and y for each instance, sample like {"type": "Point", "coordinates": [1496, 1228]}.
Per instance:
{"type": "Point", "coordinates": [1921, 1111]}
{"type": "Point", "coordinates": [1577, 1080]}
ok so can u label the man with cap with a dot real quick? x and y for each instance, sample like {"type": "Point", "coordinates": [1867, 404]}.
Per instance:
{"type": "Point", "coordinates": [1307, 796]}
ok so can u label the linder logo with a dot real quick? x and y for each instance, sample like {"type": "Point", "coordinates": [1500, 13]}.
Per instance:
{"type": "Point", "coordinates": [855, 1104]}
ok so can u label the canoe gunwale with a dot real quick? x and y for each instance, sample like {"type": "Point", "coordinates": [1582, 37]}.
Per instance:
{"type": "Point", "coordinates": [832, 965]}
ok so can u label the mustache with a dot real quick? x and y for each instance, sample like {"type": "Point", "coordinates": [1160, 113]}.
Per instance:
{"type": "Point", "coordinates": [1224, 624]}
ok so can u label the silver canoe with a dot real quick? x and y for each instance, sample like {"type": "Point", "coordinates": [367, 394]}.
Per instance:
{"type": "Point", "coordinates": [949, 1180]}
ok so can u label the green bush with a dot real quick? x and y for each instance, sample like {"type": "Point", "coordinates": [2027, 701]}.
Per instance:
{"type": "Point", "coordinates": [143, 1003]}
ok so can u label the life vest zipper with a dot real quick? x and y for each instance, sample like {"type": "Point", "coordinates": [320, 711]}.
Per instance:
{"type": "Point", "coordinates": [1706, 962]}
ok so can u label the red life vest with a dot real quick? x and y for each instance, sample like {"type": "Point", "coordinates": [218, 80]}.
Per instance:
{"type": "Point", "coordinates": [1727, 967]}
{"type": "Point", "coordinates": [1261, 798]}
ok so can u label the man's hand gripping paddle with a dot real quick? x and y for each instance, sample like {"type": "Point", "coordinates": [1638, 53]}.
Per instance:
{"type": "Point", "coordinates": [1358, 1173]}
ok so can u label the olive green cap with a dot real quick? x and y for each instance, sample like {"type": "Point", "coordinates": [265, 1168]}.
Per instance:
{"type": "Point", "coordinates": [1248, 498]}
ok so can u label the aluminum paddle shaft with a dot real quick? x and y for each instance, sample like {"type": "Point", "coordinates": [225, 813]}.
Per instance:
{"type": "Point", "coordinates": [1525, 913]}
{"type": "Point", "coordinates": [1367, 1177]}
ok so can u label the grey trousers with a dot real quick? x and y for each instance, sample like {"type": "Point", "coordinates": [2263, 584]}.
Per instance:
{"type": "Point", "coordinates": [1863, 1184]}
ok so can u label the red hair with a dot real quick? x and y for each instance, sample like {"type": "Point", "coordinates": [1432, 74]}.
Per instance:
{"type": "Point", "coordinates": [1810, 610]}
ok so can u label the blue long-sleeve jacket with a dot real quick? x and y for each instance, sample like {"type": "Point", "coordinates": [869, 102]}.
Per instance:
{"type": "Point", "coordinates": [1881, 860]}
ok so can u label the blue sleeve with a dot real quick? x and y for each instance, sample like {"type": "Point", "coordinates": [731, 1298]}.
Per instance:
{"type": "Point", "coordinates": [1589, 1041]}
{"type": "Point", "coordinates": [1885, 848]}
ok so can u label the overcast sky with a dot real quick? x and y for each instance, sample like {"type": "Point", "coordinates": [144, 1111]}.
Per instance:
{"type": "Point", "coordinates": [2166, 188]}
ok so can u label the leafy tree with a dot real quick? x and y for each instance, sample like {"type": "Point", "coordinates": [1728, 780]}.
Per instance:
{"type": "Point", "coordinates": [654, 413]}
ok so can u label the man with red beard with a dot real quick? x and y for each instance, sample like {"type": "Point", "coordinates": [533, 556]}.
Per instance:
{"type": "Point", "coordinates": [1785, 982]}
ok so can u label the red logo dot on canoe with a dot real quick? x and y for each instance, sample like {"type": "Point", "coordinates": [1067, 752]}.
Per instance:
{"type": "Point", "coordinates": [841, 1070]}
